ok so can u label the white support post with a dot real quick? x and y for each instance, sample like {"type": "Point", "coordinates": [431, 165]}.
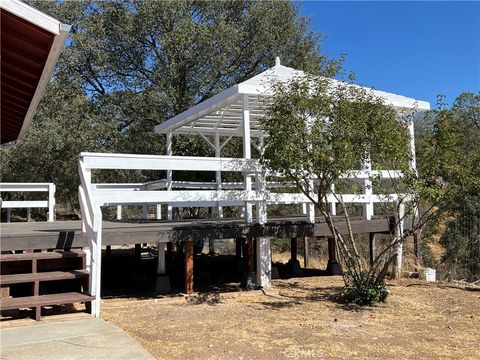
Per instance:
{"type": "Point", "coordinates": [310, 206]}
{"type": "Point", "coordinates": [169, 174]}
{"type": "Point", "coordinates": [158, 212]}
{"type": "Point", "coordinates": [261, 186]}
{"type": "Point", "coordinates": [29, 214]}
{"type": "Point", "coordinates": [9, 215]}
{"type": "Point", "coordinates": [264, 262]}
{"type": "Point", "coordinates": [368, 207]}
{"type": "Point", "coordinates": [310, 213]}
{"type": "Point", "coordinates": [413, 160]}
{"type": "Point", "coordinates": [247, 153]}
{"type": "Point", "coordinates": [333, 204]}
{"type": "Point", "coordinates": [398, 235]}
{"type": "Point", "coordinates": [51, 202]}
{"type": "Point", "coordinates": [218, 173]}
{"type": "Point", "coordinates": [97, 264]}
{"type": "Point", "coordinates": [119, 212]}
{"type": "Point", "coordinates": [161, 264]}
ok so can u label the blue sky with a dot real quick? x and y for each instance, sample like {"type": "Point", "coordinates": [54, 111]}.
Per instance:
{"type": "Point", "coordinates": [416, 49]}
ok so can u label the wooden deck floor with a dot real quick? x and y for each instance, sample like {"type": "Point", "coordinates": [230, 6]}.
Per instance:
{"type": "Point", "coordinates": [65, 234]}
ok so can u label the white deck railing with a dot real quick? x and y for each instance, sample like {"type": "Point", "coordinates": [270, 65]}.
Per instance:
{"type": "Point", "coordinates": [49, 203]}
{"type": "Point", "coordinates": [258, 193]}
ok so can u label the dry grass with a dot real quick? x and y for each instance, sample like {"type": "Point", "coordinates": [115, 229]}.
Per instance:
{"type": "Point", "coordinates": [314, 262]}
{"type": "Point", "coordinates": [301, 319]}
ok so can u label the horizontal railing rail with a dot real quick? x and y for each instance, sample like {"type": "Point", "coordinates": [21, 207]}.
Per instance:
{"type": "Point", "coordinates": [257, 190]}
{"type": "Point", "coordinates": [49, 203]}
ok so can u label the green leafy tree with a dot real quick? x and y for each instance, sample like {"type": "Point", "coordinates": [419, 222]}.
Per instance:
{"type": "Point", "coordinates": [461, 240]}
{"type": "Point", "coordinates": [129, 65]}
{"type": "Point", "coordinates": [458, 128]}
{"type": "Point", "coordinates": [49, 152]}
{"type": "Point", "coordinates": [319, 130]}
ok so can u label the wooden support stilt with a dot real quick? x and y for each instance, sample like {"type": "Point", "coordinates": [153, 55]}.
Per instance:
{"type": "Point", "coordinates": [333, 266]}
{"type": "Point", "coordinates": [293, 249]}
{"type": "Point", "coordinates": [293, 263]}
{"type": "Point", "coordinates": [138, 251]}
{"type": "Point", "coordinates": [36, 290]}
{"type": "Point", "coordinates": [211, 247]}
{"type": "Point", "coordinates": [250, 255]}
{"type": "Point", "coordinates": [189, 267]}
{"type": "Point", "coordinates": [161, 263]}
{"type": "Point", "coordinates": [306, 253]}
{"type": "Point", "coordinates": [332, 251]}
{"type": "Point", "coordinates": [238, 248]}
{"type": "Point", "coordinates": [373, 248]}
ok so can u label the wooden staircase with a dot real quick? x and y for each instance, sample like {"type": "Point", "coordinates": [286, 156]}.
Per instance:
{"type": "Point", "coordinates": [43, 268]}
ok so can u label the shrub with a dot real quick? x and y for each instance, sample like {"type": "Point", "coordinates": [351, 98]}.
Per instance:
{"type": "Point", "coordinates": [363, 290]}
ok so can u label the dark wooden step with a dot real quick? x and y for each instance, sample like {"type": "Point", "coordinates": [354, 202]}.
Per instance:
{"type": "Point", "coordinates": [44, 300]}
{"type": "Point", "coordinates": [57, 254]}
{"type": "Point", "coordinates": [43, 276]}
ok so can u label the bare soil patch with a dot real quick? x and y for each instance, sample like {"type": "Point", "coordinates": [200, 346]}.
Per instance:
{"type": "Point", "coordinates": [301, 318]}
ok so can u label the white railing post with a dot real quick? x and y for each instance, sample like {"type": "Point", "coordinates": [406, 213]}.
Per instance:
{"type": "Point", "coordinates": [310, 207]}
{"type": "Point", "coordinates": [97, 261]}
{"type": "Point", "coordinates": [218, 174]}
{"type": "Point", "coordinates": [119, 212]}
{"type": "Point", "coordinates": [51, 202]}
{"type": "Point", "coordinates": [367, 183]}
{"type": "Point", "coordinates": [92, 226]}
{"type": "Point", "coordinates": [398, 234]}
{"type": "Point", "coordinates": [333, 204]}
{"type": "Point", "coordinates": [169, 151]}
{"type": "Point", "coordinates": [261, 186]}
{"type": "Point", "coordinates": [158, 211]}
{"type": "Point", "coordinates": [247, 153]}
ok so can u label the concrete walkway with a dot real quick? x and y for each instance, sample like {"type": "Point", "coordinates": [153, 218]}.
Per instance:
{"type": "Point", "coordinates": [72, 339]}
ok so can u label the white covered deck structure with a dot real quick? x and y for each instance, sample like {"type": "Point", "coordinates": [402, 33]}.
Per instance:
{"type": "Point", "coordinates": [235, 112]}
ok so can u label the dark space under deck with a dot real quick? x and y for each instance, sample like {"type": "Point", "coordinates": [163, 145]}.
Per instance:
{"type": "Point", "coordinates": [66, 234]}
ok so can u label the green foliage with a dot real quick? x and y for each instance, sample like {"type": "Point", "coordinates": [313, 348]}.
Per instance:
{"type": "Point", "coordinates": [461, 240]}
{"type": "Point", "coordinates": [363, 290]}
{"type": "Point", "coordinates": [320, 128]}
{"type": "Point", "coordinates": [448, 155]}
{"type": "Point", "coordinates": [129, 65]}
{"type": "Point", "coordinates": [64, 126]}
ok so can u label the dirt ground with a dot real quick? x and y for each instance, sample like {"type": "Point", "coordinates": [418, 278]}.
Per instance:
{"type": "Point", "coordinates": [300, 318]}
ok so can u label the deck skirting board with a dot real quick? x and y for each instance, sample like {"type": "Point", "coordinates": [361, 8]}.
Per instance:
{"type": "Point", "coordinates": [66, 234]}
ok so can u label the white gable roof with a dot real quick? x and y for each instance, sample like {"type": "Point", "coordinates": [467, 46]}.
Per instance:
{"type": "Point", "coordinates": [222, 113]}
